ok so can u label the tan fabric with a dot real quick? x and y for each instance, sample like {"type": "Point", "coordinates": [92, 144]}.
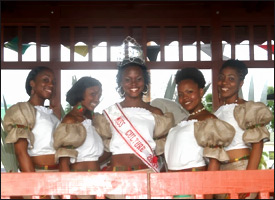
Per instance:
{"type": "Point", "coordinates": [251, 114]}
{"type": "Point", "coordinates": [66, 138]}
{"type": "Point", "coordinates": [102, 126]}
{"type": "Point", "coordinates": [213, 135]}
{"type": "Point", "coordinates": [163, 123]}
{"type": "Point", "coordinates": [22, 113]}
{"type": "Point", "coordinates": [167, 105]}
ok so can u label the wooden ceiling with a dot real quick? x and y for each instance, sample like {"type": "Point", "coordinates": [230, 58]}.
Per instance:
{"type": "Point", "coordinates": [136, 12]}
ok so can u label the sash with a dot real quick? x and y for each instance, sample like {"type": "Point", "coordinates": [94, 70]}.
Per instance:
{"type": "Point", "coordinates": [131, 136]}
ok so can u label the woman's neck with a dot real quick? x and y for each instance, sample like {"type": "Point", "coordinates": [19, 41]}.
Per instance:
{"type": "Point", "coordinates": [132, 102]}
{"type": "Point", "coordinates": [36, 101]}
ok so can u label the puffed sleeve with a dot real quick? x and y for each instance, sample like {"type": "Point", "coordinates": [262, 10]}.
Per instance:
{"type": "Point", "coordinates": [253, 117]}
{"type": "Point", "coordinates": [163, 123]}
{"type": "Point", "coordinates": [102, 126]}
{"type": "Point", "coordinates": [67, 137]}
{"type": "Point", "coordinates": [19, 121]}
{"type": "Point", "coordinates": [214, 135]}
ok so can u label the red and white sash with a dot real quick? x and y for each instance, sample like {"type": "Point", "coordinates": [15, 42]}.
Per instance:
{"type": "Point", "coordinates": [131, 136]}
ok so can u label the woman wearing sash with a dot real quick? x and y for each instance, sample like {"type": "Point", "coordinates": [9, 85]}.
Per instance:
{"type": "Point", "coordinates": [198, 143]}
{"type": "Point", "coordinates": [133, 130]}
{"type": "Point", "coordinates": [247, 117]}
{"type": "Point", "coordinates": [30, 125]}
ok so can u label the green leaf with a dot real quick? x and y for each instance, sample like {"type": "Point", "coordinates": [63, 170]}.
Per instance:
{"type": "Point", "coordinates": [170, 89]}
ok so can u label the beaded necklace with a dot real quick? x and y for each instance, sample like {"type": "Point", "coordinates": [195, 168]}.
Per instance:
{"type": "Point", "coordinates": [198, 111]}
{"type": "Point", "coordinates": [236, 101]}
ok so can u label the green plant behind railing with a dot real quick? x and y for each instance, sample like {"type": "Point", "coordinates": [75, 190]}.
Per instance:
{"type": "Point", "coordinates": [8, 157]}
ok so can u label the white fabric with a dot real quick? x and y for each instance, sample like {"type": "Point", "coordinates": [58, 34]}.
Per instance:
{"type": "Point", "coordinates": [143, 121]}
{"type": "Point", "coordinates": [45, 124]}
{"type": "Point", "coordinates": [92, 148]}
{"type": "Point", "coordinates": [226, 113]}
{"type": "Point", "coordinates": [181, 148]}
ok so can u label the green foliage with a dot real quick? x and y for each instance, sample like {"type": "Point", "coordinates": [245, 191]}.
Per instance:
{"type": "Point", "coordinates": [262, 164]}
{"type": "Point", "coordinates": [8, 157]}
{"type": "Point", "coordinates": [208, 102]}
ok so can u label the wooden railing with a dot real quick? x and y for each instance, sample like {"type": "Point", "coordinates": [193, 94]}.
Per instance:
{"type": "Point", "coordinates": [138, 184]}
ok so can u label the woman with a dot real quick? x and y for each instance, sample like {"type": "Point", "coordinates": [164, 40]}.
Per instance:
{"type": "Point", "coordinates": [247, 117]}
{"type": "Point", "coordinates": [135, 130]}
{"type": "Point", "coordinates": [191, 142]}
{"type": "Point", "coordinates": [30, 125]}
{"type": "Point", "coordinates": [133, 148]}
{"type": "Point", "coordinates": [78, 145]}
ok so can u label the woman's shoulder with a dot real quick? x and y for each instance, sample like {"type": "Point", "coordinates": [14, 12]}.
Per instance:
{"type": "Point", "coordinates": [155, 110]}
{"type": "Point", "coordinates": [69, 119]}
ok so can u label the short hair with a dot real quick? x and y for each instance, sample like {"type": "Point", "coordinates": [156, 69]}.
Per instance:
{"type": "Point", "coordinates": [191, 73]}
{"type": "Point", "coordinates": [122, 67]}
{"type": "Point", "coordinates": [32, 75]}
{"type": "Point", "coordinates": [239, 66]}
{"type": "Point", "coordinates": [75, 94]}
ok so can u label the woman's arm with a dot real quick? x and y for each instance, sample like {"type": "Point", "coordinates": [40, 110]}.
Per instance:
{"type": "Point", "coordinates": [214, 165]}
{"type": "Point", "coordinates": [255, 155]}
{"type": "Point", "coordinates": [64, 164]}
{"type": "Point", "coordinates": [25, 162]}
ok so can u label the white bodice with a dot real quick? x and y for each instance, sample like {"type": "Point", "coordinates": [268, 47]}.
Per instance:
{"type": "Point", "coordinates": [45, 124]}
{"type": "Point", "coordinates": [181, 148]}
{"type": "Point", "coordinates": [92, 148]}
{"type": "Point", "coordinates": [226, 113]}
{"type": "Point", "coordinates": [143, 121]}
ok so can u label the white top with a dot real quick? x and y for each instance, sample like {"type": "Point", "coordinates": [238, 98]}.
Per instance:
{"type": "Point", "coordinates": [45, 124]}
{"type": "Point", "coordinates": [144, 122]}
{"type": "Point", "coordinates": [181, 148]}
{"type": "Point", "coordinates": [92, 148]}
{"type": "Point", "coordinates": [226, 113]}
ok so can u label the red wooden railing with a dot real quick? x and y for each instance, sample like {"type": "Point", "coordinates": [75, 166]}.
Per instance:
{"type": "Point", "coordinates": [138, 184]}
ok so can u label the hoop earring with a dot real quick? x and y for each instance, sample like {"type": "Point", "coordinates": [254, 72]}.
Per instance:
{"type": "Point", "coordinates": [147, 89]}
{"type": "Point", "coordinates": [121, 92]}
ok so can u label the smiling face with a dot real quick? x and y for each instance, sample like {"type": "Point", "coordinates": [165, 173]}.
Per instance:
{"type": "Point", "coordinates": [132, 81]}
{"type": "Point", "coordinates": [43, 85]}
{"type": "Point", "coordinates": [190, 95]}
{"type": "Point", "coordinates": [91, 97]}
{"type": "Point", "coordinates": [229, 84]}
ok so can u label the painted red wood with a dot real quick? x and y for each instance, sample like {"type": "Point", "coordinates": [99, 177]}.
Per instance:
{"type": "Point", "coordinates": [71, 183]}
{"type": "Point", "coordinates": [212, 182]}
{"type": "Point", "coordinates": [138, 184]}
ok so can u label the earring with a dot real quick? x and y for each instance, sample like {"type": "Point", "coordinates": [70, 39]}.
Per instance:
{"type": "Point", "coordinates": [80, 108]}
{"type": "Point", "coordinates": [121, 91]}
{"type": "Point", "coordinates": [32, 92]}
{"type": "Point", "coordinates": [147, 89]}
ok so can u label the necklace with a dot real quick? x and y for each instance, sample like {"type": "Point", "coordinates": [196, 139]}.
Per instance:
{"type": "Point", "coordinates": [236, 101]}
{"type": "Point", "coordinates": [198, 111]}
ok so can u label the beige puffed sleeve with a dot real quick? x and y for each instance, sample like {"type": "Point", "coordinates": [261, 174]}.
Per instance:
{"type": "Point", "coordinates": [163, 123]}
{"type": "Point", "coordinates": [19, 121]}
{"type": "Point", "coordinates": [102, 127]}
{"type": "Point", "coordinates": [253, 117]}
{"type": "Point", "coordinates": [67, 137]}
{"type": "Point", "coordinates": [214, 135]}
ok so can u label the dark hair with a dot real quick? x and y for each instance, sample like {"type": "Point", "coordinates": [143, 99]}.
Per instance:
{"type": "Point", "coordinates": [191, 73]}
{"type": "Point", "coordinates": [122, 67]}
{"type": "Point", "coordinates": [239, 66]}
{"type": "Point", "coordinates": [75, 94]}
{"type": "Point", "coordinates": [32, 75]}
